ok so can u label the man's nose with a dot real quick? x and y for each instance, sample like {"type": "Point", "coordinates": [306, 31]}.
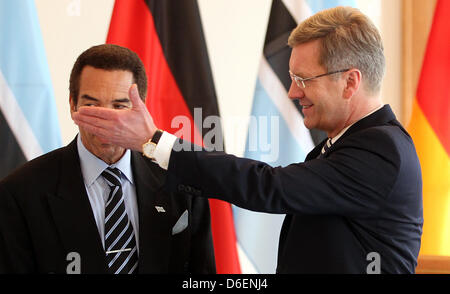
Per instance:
{"type": "Point", "coordinates": [295, 92]}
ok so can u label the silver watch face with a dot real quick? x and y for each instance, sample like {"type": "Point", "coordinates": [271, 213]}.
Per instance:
{"type": "Point", "coordinates": [149, 149]}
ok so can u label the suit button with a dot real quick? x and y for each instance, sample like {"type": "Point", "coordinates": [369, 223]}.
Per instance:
{"type": "Point", "coordinates": [181, 187]}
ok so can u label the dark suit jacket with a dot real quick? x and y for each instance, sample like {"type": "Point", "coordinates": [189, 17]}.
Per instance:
{"type": "Point", "coordinates": [45, 214]}
{"type": "Point", "coordinates": [364, 196]}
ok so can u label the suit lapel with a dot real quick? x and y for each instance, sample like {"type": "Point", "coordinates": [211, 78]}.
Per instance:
{"type": "Point", "coordinates": [316, 151]}
{"type": "Point", "coordinates": [73, 215]}
{"type": "Point", "coordinates": [381, 116]}
{"type": "Point", "coordinates": [154, 215]}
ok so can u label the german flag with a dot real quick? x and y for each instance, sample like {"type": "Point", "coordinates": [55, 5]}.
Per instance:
{"type": "Point", "coordinates": [430, 129]}
{"type": "Point", "coordinates": [168, 37]}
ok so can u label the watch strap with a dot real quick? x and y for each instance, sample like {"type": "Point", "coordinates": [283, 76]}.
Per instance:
{"type": "Point", "coordinates": [156, 136]}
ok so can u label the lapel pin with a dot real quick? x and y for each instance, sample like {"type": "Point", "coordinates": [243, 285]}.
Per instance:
{"type": "Point", "coordinates": [160, 209]}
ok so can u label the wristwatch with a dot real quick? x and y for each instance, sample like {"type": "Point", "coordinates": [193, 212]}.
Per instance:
{"type": "Point", "coordinates": [149, 148]}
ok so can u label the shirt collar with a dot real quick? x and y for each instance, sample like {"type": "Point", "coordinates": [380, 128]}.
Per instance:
{"type": "Point", "coordinates": [92, 166]}
{"type": "Point", "coordinates": [335, 138]}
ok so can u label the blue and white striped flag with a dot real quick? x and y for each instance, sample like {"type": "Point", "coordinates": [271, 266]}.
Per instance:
{"type": "Point", "coordinates": [29, 125]}
{"type": "Point", "coordinates": [277, 134]}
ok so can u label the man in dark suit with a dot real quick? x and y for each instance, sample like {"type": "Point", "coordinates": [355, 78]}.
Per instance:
{"type": "Point", "coordinates": [355, 204]}
{"type": "Point", "coordinates": [94, 207]}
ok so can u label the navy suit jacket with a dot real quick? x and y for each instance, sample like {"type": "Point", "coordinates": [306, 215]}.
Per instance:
{"type": "Point", "coordinates": [363, 196]}
{"type": "Point", "coordinates": [45, 214]}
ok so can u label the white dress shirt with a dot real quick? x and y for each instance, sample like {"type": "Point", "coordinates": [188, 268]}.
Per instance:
{"type": "Point", "coordinates": [98, 190]}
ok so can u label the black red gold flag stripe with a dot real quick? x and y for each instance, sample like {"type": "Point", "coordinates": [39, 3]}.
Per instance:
{"type": "Point", "coordinates": [168, 37]}
{"type": "Point", "coordinates": [430, 130]}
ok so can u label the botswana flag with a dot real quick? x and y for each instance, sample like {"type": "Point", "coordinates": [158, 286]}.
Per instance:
{"type": "Point", "coordinates": [29, 124]}
{"type": "Point", "coordinates": [280, 119]}
{"type": "Point", "coordinates": [168, 37]}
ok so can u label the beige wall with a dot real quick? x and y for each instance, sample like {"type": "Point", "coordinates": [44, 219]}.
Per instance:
{"type": "Point", "coordinates": [417, 17]}
{"type": "Point", "coordinates": [68, 28]}
{"type": "Point", "coordinates": [234, 32]}
{"type": "Point", "coordinates": [391, 32]}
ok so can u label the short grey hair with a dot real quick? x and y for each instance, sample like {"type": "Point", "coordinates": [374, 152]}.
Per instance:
{"type": "Point", "coordinates": [348, 39]}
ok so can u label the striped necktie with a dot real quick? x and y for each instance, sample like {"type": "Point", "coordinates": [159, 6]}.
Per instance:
{"type": "Point", "coordinates": [120, 242]}
{"type": "Point", "coordinates": [325, 148]}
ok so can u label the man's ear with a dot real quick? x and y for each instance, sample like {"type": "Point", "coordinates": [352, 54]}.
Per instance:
{"type": "Point", "coordinates": [352, 82]}
{"type": "Point", "coordinates": [73, 106]}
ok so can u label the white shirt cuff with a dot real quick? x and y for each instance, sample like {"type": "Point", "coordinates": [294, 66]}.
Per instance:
{"type": "Point", "coordinates": [163, 150]}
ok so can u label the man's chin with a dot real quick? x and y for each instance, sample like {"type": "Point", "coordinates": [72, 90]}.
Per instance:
{"type": "Point", "coordinates": [107, 149]}
{"type": "Point", "coordinates": [109, 155]}
{"type": "Point", "coordinates": [110, 150]}
{"type": "Point", "coordinates": [99, 141]}
{"type": "Point", "coordinates": [308, 124]}
{"type": "Point", "coordinates": [106, 145]}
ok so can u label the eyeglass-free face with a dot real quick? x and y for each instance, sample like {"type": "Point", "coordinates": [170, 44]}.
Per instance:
{"type": "Point", "coordinates": [301, 81]}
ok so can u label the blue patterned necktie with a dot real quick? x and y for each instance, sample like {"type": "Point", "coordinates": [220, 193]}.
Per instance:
{"type": "Point", "coordinates": [120, 242]}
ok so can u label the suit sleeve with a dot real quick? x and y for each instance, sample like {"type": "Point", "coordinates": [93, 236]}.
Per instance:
{"type": "Point", "coordinates": [353, 181]}
{"type": "Point", "coordinates": [16, 254]}
{"type": "Point", "coordinates": [202, 259]}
